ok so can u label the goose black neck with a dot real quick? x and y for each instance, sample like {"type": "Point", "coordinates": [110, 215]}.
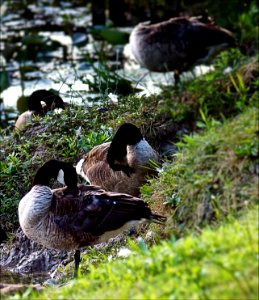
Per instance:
{"type": "Point", "coordinates": [127, 134]}
{"type": "Point", "coordinates": [52, 100]}
{"type": "Point", "coordinates": [51, 169]}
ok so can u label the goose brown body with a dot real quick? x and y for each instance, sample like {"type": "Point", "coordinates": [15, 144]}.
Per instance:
{"type": "Point", "coordinates": [178, 43]}
{"type": "Point", "coordinates": [77, 215]}
{"type": "Point", "coordinates": [123, 173]}
{"type": "Point", "coordinates": [70, 219]}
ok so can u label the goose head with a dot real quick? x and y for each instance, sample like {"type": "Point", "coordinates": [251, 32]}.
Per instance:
{"type": "Point", "coordinates": [50, 99]}
{"type": "Point", "coordinates": [35, 107]}
{"type": "Point", "coordinates": [127, 134]}
{"type": "Point", "coordinates": [212, 39]}
{"type": "Point", "coordinates": [62, 171]}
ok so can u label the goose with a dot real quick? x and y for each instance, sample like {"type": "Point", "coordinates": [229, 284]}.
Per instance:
{"type": "Point", "coordinates": [76, 215]}
{"type": "Point", "coordinates": [35, 108]}
{"type": "Point", "coordinates": [120, 165]}
{"type": "Point", "coordinates": [178, 44]}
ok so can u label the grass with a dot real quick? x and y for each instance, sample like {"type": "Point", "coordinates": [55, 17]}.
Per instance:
{"type": "Point", "coordinates": [218, 94]}
{"type": "Point", "coordinates": [213, 174]}
{"type": "Point", "coordinates": [217, 264]}
{"type": "Point", "coordinates": [211, 181]}
{"type": "Point", "coordinates": [66, 136]}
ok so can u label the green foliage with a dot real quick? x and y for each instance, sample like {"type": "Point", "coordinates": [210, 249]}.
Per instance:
{"type": "Point", "coordinates": [107, 81]}
{"type": "Point", "coordinates": [213, 174]}
{"type": "Point", "coordinates": [95, 138]}
{"type": "Point", "coordinates": [111, 35]}
{"type": "Point", "coordinates": [4, 80]}
{"type": "Point", "coordinates": [216, 95]}
{"type": "Point", "coordinates": [218, 264]}
{"type": "Point", "coordinates": [248, 25]}
{"type": "Point", "coordinates": [14, 181]}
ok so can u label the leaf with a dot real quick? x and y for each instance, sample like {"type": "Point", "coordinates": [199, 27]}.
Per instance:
{"type": "Point", "coordinates": [79, 39]}
{"type": "Point", "coordinates": [4, 80]}
{"type": "Point", "coordinates": [234, 83]}
{"type": "Point", "coordinates": [111, 35]}
{"type": "Point", "coordinates": [200, 124]}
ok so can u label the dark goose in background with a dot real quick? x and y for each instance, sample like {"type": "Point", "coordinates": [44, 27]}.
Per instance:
{"type": "Point", "coordinates": [179, 43]}
{"type": "Point", "coordinates": [35, 107]}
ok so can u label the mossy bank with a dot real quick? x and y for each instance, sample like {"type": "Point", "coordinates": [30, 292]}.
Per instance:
{"type": "Point", "coordinates": [208, 188]}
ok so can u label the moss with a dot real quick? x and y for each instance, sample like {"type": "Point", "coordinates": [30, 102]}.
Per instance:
{"type": "Point", "coordinates": [211, 178]}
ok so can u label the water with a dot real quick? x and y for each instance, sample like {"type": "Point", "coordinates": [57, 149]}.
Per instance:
{"type": "Point", "coordinates": [63, 65]}
{"type": "Point", "coordinates": [15, 278]}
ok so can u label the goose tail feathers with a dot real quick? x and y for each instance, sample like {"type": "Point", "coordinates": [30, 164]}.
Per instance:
{"type": "Point", "coordinates": [158, 219]}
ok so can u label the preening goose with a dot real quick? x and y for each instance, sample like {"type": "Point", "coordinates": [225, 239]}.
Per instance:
{"type": "Point", "coordinates": [77, 215]}
{"type": "Point", "coordinates": [121, 165]}
{"type": "Point", "coordinates": [178, 43]}
{"type": "Point", "coordinates": [51, 100]}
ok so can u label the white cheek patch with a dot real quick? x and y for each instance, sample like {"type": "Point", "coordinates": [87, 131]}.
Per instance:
{"type": "Point", "coordinates": [60, 177]}
{"type": "Point", "coordinates": [79, 170]}
{"type": "Point", "coordinates": [79, 165]}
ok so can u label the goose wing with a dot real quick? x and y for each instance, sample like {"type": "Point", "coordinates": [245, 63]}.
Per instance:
{"type": "Point", "coordinates": [102, 174]}
{"type": "Point", "coordinates": [95, 211]}
{"type": "Point", "coordinates": [97, 154]}
{"type": "Point", "coordinates": [198, 36]}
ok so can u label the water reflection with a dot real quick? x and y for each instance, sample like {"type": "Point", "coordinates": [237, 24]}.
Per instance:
{"type": "Point", "coordinates": [14, 278]}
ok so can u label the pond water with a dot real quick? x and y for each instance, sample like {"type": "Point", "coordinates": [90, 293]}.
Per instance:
{"type": "Point", "coordinates": [14, 278]}
{"type": "Point", "coordinates": [38, 53]}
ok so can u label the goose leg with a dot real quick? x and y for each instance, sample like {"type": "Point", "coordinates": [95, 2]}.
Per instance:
{"type": "Point", "coordinates": [77, 261]}
{"type": "Point", "coordinates": [176, 77]}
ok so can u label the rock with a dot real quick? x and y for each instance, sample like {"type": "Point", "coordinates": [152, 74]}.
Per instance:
{"type": "Point", "coordinates": [24, 256]}
{"type": "Point", "coordinates": [3, 235]}
{"type": "Point", "coordinates": [205, 211]}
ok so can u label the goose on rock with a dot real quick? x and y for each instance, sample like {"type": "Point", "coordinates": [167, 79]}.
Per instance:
{"type": "Point", "coordinates": [35, 107]}
{"type": "Point", "coordinates": [77, 215]}
{"type": "Point", "coordinates": [179, 43]}
{"type": "Point", "coordinates": [121, 165]}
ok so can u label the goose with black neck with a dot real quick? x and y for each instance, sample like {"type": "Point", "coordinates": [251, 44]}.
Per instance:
{"type": "Point", "coordinates": [77, 215]}
{"type": "Point", "coordinates": [35, 108]}
{"type": "Point", "coordinates": [121, 165]}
